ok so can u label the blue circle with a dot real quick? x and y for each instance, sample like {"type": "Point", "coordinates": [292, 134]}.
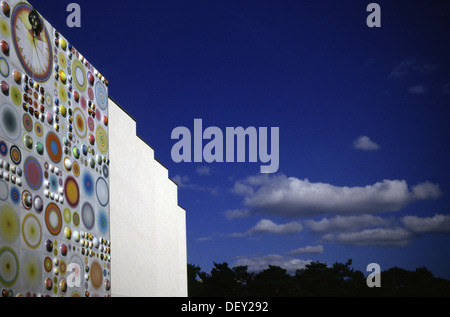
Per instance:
{"type": "Point", "coordinates": [3, 148]}
{"type": "Point", "coordinates": [53, 183]}
{"type": "Point", "coordinates": [101, 95]}
{"type": "Point", "coordinates": [54, 146]}
{"type": "Point", "coordinates": [88, 184]}
{"type": "Point", "coordinates": [15, 195]}
{"type": "Point", "coordinates": [105, 171]}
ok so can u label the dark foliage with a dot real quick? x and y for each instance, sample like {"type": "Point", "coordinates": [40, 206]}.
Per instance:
{"type": "Point", "coordinates": [316, 279]}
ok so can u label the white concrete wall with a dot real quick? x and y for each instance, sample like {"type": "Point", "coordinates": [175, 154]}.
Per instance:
{"type": "Point", "coordinates": [148, 228]}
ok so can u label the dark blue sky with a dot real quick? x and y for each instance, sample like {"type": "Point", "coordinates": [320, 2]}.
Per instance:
{"type": "Point", "coordinates": [319, 73]}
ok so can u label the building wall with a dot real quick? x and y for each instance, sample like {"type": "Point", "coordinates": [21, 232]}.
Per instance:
{"type": "Point", "coordinates": [148, 228]}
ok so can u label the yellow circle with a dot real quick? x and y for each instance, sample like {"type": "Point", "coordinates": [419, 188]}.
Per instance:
{"type": "Point", "coordinates": [4, 28]}
{"type": "Point", "coordinates": [101, 139]}
{"type": "Point", "coordinates": [62, 94]}
{"type": "Point", "coordinates": [9, 224]}
{"type": "Point", "coordinates": [72, 191]}
{"type": "Point", "coordinates": [62, 60]}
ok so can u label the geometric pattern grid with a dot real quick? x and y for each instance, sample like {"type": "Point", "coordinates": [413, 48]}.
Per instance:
{"type": "Point", "coordinates": [54, 163]}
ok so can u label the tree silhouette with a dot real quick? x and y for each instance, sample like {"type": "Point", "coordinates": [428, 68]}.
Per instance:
{"type": "Point", "coordinates": [316, 279]}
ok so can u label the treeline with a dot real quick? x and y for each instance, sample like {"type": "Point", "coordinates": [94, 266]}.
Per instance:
{"type": "Point", "coordinates": [316, 279]}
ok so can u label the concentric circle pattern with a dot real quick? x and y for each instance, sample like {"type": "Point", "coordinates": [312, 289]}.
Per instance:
{"type": "Point", "coordinates": [54, 164]}
{"type": "Point", "coordinates": [53, 219]}
{"type": "Point", "coordinates": [53, 147]}
{"type": "Point", "coordinates": [33, 173]}
{"type": "Point", "coordinates": [72, 192]}
{"type": "Point", "coordinates": [102, 140]}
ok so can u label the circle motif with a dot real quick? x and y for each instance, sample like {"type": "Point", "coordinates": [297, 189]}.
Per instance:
{"type": "Point", "coordinates": [9, 122]}
{"type": "Point", "coordinates": [16, 96]}
{"type": "Point", "coordinates": [62, 92]}
{"type": "Point", "coordinates": [72, 192]}
{"type": "Point", "coordinates": [53, 146]}
{"type": "Point", "coordinates": [38, 204]}
{"type": "Point", "coordinates": [31, 271]}
{"type": "Point", "coordinates": [76, 219]}
{"type": "Point", "coordinates": [3, 148]}
{"type": "Point", "coordinates": [4, 67]}
{"type": "Point", "coordinates": [38, 129]}
{"type": "Point", "coordinates": [9, 266]}
{"type": "Point", "coordinates": [102, 139]}
{"type": "Point", "coordinates": [48, 99]}
{"type": "Point", "coordinates": [9, 224]}
{"type": "Point", "coordinates": [105, 171]}
{"type": "Point", "coordinates": [79, 122]}
{"type": "Point", "coordinates": [15, 195]}
{"type": "Point", "coordinates": [33, 173]}
{"type": "Point", "coordinates": [67, 215]}
{"type": "Point", "coordinates": [27, 122]}
{"type": "Point", "coordinates": [62, 60]}
{"type": "Point", "coordinates": [83, 103]}
{"type": "Point", "coordinates": [96, 275]}
{"type": "Point", "coordinates": [91, 94]}
{"type": "Point", "coordinates": [101, 95]}
{"type": "Point", "coordinates": [79, 75]}
{"type": "Point", "coordinates": [48, 264]}
{"type": "Point", "coordinates": [102, 191]}
{"type": "Point", "coordinates": [16, 156]}
{"type": "Point", "coordinates": [103, 223]}
{"type": "Point", "coordinates": [91, 124]}
{"type": "Point", "coordinates": [42, 74]}
{"type": "Point", "coordinates": [31, 231]}
{"type": "Point", "coordinates": [88, 184]}
{"type": "Point", "coordinates": [76, 169]}
{"type": "Point", "coordinates": [27, 200]}
{"type": "Point", "coordinates": [88, 215]}
{"type": "Point", "coordinates": [53, 219]}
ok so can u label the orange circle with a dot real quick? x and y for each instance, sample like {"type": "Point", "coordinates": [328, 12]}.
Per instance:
{"type": "Point", "coordinates": [96, 275]}
{"type": "Point", "coordinates": [53, 146]}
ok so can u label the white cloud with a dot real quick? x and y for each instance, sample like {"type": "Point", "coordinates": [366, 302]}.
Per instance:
{"type": "Point", "coordinates": [292, 197]}
{"type": "Point", "coordinates": [436, 224]}
{"type": "Point", "coordinates": [266, 226]}
{"type": "Point", "coordinates": [237, 213]}
{"type": "Point", "coordinates": [386, 237]}
{"type": "Point", "coordinates": [307, 250]}
{"type": "Point", "coordinates": [411, 67]}
{"type": "Point", "coordinates": [203, 170]}
{"type": "Point", "coordinates": [365, 143]}
{"type": "Point", "coordinates": [185, 183]}
{"type": "Point", "coordinates": [344, 223]}
{"type": "Point", "coordinates": [402, 69]}
{"type": "Point", "coordinates": [257, 264]}
{"type": "Point", "coordinates": [418, 90]}
{"type": "Point", "coordinates": [180, 180]}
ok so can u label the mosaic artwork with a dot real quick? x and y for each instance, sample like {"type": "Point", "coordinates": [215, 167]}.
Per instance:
{"type": "Point", "coordinates": [54, 165]}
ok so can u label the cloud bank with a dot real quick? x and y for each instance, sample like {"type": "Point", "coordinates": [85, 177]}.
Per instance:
{"type": "Point", "coordinates": [291, 197]}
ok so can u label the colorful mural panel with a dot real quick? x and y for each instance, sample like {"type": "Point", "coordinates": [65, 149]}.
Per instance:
{"type": "Point", "coordinates": [54, 165]}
